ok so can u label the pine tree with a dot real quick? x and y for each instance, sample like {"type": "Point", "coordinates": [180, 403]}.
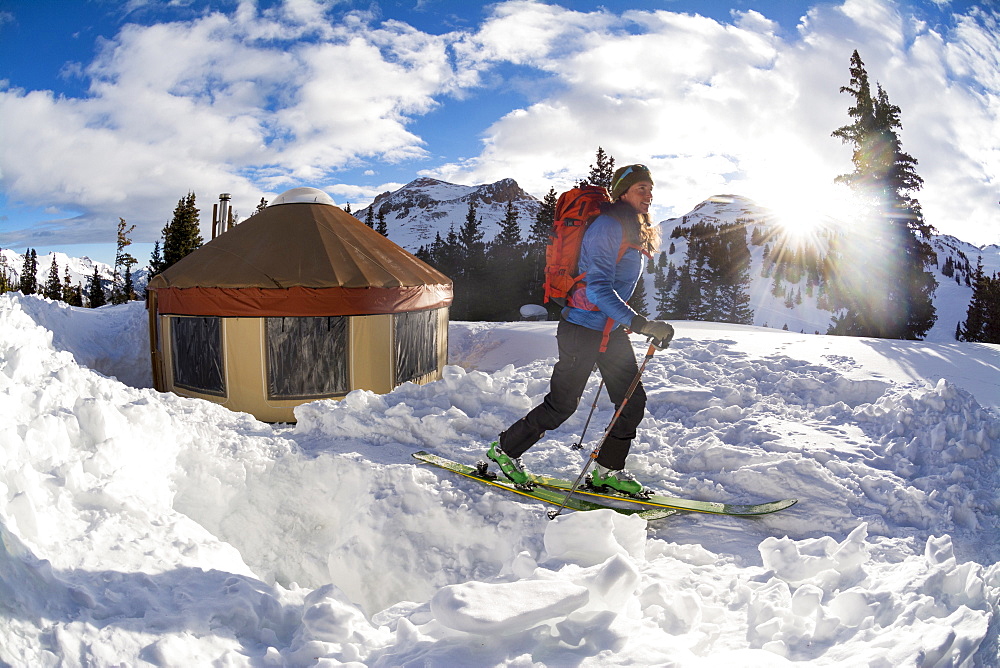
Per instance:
{"type": "Point", "coordinates": [991, 330]}
{"type": "Point", "coordinates": [733, 270]}
{"type": "Point", "coordinates": [380, 225]}
{"type": "Point", "coordinates": [95, 291]}
{"type": "Point", "coordinates": [973, 328]}
{"type": "Point", "coordinates": [67, 287]}
{"type": "Point", "coordinates": [505, 270]}
{"type": "Point", "coordinates": [509, 235]}
{"type": "Point", "coordinates": [53, 286]}
{"type": "Point", "coordinates": [121, 278]}
{"type": "Point", "coordinates": [156, 260]}
{"type": "Point", "coordinates": [663, 289]}
{"type": "Point", "coordinates": [370, 216]}
{"type": "Point", "coordinates": [638, 299]}
{"type": "Point", "coordinates": [601, 173]}
{"type": "Point", "coordinates": [895, 298]}
{"type": "Point", "coordinates": [469, 303]}
{"type": "Point", "coordinates": [470, 234]}
{"type": "Point", "coordinates": [6, 275]}
{"type": "Point", "coordinates": [28, 284]}
{"type": "Point", "coordinates": [183, 233]}
{"type": "Point", "coordinates": [127, 285]}
{"type": "Point", "coordinates": [263, 205]}
{"type": "Point", "coordinates": [538, 239]}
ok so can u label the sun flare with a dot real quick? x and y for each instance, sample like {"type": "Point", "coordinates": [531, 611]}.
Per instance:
{"type": "Point", "coordinates": [804, 215]}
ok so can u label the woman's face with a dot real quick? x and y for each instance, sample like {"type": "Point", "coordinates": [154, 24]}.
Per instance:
{"type": "Point", "coordinates": [639, 196]}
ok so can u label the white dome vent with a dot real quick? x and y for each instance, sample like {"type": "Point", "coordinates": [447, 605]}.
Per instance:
{"type": "Point", "coordinates": [303, 196]}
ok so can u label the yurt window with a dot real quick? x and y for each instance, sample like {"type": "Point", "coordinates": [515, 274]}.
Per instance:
{"type": "Point", "coordinates": [416, 344]}
{"type": "Point", "coordinates": [306, 357]}
{"type": "Point", "coordinates": [197, 354]}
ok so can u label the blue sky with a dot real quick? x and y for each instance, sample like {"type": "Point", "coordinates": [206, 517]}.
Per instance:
{"type": "Point", "coordinates": [118, 108]}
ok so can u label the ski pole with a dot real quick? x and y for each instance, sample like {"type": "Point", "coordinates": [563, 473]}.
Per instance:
{"type": "Point", "coordinates": [579, 444]}
{"type": "Point", "coordinates": [597, 449]}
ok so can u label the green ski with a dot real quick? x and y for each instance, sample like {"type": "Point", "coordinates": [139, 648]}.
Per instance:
{"type": "Point", "coordinates": [540, 492]}
{"type": "Point", "coordinates": [659, 501]}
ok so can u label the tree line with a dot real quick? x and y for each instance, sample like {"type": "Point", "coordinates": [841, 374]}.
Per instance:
{"type": "Point", "coordinates": [982, 320]}
{"type": "Point", "coordinates": [180, 236]}
{"type": "Point", "coordinates": [119, 291]}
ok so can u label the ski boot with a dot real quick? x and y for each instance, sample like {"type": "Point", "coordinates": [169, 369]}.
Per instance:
{"type": "Point", "coordinates": [620, 481]}
{"type": "Point", "coordinates": [512, 468]}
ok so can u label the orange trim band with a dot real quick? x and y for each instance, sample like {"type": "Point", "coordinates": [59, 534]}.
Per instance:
{"type": "Point", "coordinates": [254, 302]}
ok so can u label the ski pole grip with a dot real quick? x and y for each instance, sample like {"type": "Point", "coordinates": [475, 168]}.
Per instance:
{"type": "Point", "coordinates": [656, 344]}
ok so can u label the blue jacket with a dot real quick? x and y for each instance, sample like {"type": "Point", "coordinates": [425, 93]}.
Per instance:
{"type": "Point", "coordinates": [609, 283]}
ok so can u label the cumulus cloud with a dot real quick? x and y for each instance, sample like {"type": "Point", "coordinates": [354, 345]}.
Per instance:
{"type": "Point", "coordinates": [238, 103]}
{"type": "Point", "coordinates": [254, 101]}
{"type": "Point", "coordinates": [745, 107]}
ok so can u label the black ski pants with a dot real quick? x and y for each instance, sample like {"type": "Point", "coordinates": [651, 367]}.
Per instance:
{"type": "Point", "coordinates": [579, 351]}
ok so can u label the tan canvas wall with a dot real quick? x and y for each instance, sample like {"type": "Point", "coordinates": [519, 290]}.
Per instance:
{"type": "Point", "coordinates": [371, 364]}
{"type": "Point", "coordinates": [371, 345]}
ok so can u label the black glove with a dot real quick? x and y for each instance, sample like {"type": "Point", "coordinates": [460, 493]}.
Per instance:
{"type": "Point", "coordinates": [661, 332]}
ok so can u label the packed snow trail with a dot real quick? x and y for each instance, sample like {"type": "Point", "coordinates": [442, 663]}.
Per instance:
{"type": "Point", "coordinates": [144, 527]}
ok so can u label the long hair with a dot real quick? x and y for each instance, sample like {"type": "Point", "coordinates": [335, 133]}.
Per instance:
{"type": "Point", "coordinates": [649, 234]}
{"type": "Point", "coordinates": [638, 226]}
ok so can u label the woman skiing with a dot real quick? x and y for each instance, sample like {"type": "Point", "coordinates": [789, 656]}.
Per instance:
{"type": "Point", "coordinates": [592, 332]}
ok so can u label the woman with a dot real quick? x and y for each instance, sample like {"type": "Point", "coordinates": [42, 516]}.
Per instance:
{"type": "Point", "coordinates": [592, 332]}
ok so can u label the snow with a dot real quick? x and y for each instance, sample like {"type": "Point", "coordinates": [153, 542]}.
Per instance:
{"type": "Point", "coordinates": [140, 528]}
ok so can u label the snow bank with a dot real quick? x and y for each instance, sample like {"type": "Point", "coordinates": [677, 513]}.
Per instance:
{"type": "Point", "coordinates": [142, 527]}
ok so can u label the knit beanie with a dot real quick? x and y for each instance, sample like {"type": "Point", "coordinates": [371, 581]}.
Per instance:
{"type": "Point", "coordinates": [625, 177]}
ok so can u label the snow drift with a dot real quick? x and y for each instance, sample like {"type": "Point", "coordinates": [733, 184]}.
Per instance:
{"type": "Point", "coordinates": [139, 527]}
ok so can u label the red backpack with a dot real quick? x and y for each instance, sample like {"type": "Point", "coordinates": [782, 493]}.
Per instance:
{"type": "Point", "coordinates": [575, 210]}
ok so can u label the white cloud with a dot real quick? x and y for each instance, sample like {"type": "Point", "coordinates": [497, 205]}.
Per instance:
{"type": "Point", "coordinates": [743, 108]}
{"type": "Point", "coordinates": [261, 100]}
{"type": "Point", "coordinates": [237, 103]}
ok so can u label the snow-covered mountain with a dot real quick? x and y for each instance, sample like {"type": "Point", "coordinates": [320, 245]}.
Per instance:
{"type": "Point", "coordinates": [81, 269]}
{"type": "Point", "coordinates": [425, 207]}
{"type": "Point", "coordinates": [795, 304]}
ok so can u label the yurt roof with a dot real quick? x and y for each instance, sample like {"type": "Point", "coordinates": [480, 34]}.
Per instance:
{"type": "Point", "coordinates": [309, 251]}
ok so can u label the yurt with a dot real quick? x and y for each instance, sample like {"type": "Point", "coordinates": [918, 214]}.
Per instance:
{"type": "Point", "coordinates": [300, 302]}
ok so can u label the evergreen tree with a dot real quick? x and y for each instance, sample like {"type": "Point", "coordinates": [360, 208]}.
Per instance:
{"type": "Point", "coordinates": [67, 287]}
{"type": "Point", "coordinates": [183, 233]}
{"type": "Point", "coordinates": [895, 298]}
{"type": "Point", "coordinates": [506, 272]}
{"type": "Point", "coordinates": [973, 328]}
{"type": "Point", "coordinates": [509, 235]}
{"type": "Point", "coordinates": [95, 291]}
{"type": "Point", "coordinates": [370, 216]}
{"type": "Point", "coordinates": [685, 294]}
{"type": "Point", "coordinates": [470, 235]}
{"type": "Point", "coordinates": [127, 285]}
{"type": "Point", "coordinates": [263, 205]}
{"type": "Point", "coordinates": [538, 240]}
{"type": "Point", "coordinates": [380, 225]}
{"type": "Point", "coordinates": [733, 270]}
{"type": "Point", "coordinates": [53, 286]}
{"type": "Point", "coordinates": [121, 278]}
{"type": "Point", "coordinates": [991, 330]}
{"type": "Point", "coordinates": [28, 284]}
{"type": "Point", "coordinates": [6, 275]}
{"type": "Point", "coordinates": [638, 299]}
{"type": "Point", "coordinates": [156, 260]}
{"type": "Point", "coordinates": [602, 172]}
{"type": "Point", "coordinates": [469, 303]}
{"type": "Point", "coordinates": [663, 288]}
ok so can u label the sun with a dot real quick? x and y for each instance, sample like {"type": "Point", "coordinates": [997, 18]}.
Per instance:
{"type": "Point", "coordinates": [806, 214]}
